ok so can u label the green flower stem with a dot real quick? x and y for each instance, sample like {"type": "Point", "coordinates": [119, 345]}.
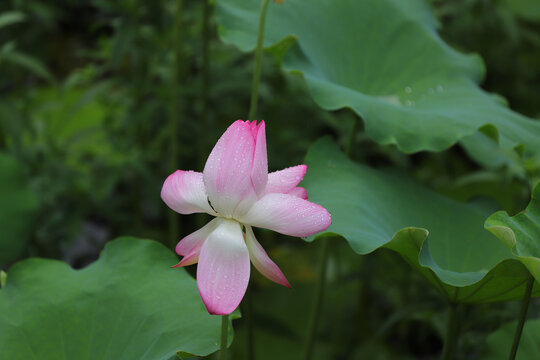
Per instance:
{"type": "Point", "coordinates": [323, 260]}
{"type": "Point", "coordinates": [204, 121]}
{"type": "Point", "coordinates": [251, 116]}
{"type": "Point", "coordinates": [450, 338]}
{"type": "Point", "coordinates": [224, 337]}
{"type": "Point", "coordinates": [3, 139]}
{"type": "Point", "coordinates": [205, 81]}
{"type": "Point", "coordinates": [319, 295]}
{"type": "Point", "coordinates": [250, 319]}
{"type": "Point", "coordinates": [258, 62]}
{"type": "Point", "coordinates": [174, 114]}
{"type": "Point", "coordinates": [522, 317]}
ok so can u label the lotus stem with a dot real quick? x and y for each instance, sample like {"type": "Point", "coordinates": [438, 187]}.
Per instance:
{"type": "Point", "coordinates": [3, 139]}
{"type": "Point", "coordinates": [323, 260]}
{"type": "Point", "coordinates": [205, 81]}
{"type": "Point", "coordinates": [174, 116]}
{"type": "Point", "coordinates": [258, 62]}
{"type": "Point", "coordinates": [450, 338]}
{"type": "Point", "coordinates": [224, 337]}
{"type": "Point", "coordinates": [522, 317]}
{"type": "Point", "coordinates": [252, 113]}
{"type": "Point", "coordinates": [250, 320]}
{"type": "Point", "coordinates": [319, 295]}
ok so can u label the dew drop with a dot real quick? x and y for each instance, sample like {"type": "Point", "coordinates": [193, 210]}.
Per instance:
{"type": "Point", "coordinates": [440, 88]}
{"type": "Point", "coordinates": [408, 89]}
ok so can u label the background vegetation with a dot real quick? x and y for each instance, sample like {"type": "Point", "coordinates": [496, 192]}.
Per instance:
{"type": "Point", "coordinates": [84, 111]}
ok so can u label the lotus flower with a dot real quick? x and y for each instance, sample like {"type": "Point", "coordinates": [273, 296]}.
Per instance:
{"type": "Point", "coordinates": [236, 188]}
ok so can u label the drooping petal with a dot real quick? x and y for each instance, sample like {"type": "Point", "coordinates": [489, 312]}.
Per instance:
{"type": "Point", "coordinates": [183, 191]}
{"type": "Point", "coordinates": [223, 270]}
{"type": "Point", "coordinates": [299, 192]}
{"type": "Point", "coordinates": [191, 258]}
{"type": "Point", "coordinates": [259, 172]}
{"type": "Point", "coordinates": [227, 173]}
{"type": "Point", "coordinates": [287, 214]}
{"type": "Point", "coordinates": [261, 260]}
{"type": "Point", "coordinates": [194, 241]}
{"type": "Point", "coordinates": [285, 180]}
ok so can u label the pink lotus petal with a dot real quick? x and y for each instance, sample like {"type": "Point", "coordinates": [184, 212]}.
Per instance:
{"type": "Point", "coordinates": [299, 192]}
{"type": "Point", "coordinates": [259, 172]}
{"type": "Point", "coordinates": [223, 270]}
{"type": "Point", "coordinates": [183, 191]}
{"type": "Point", "coordinates": [227, 173]}
{"type": "Point", "coordinates": [190, 259]}
{"type": "Point", "coordinates": [261, 260]}
{"type": "Point", "coordinates": [194, 241]}
{"type": "Point", "coordinates": [287, 214]}
{"type": "Point", "coordinates": [285, 180]}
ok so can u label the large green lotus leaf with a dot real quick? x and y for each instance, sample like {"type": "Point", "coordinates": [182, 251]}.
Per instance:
{"type": "Point", "coordinates": [483, 147]}
{"type": "Point", "coordinates": [521, 233]}
{"type": "Point", "coordinates": [127, 305]}
{"type": "Point", "coordinates": [372, 209]}
{"type": "Point", "coordinates": [385, 61]}
{"type": "Point", "coordinates": [500, 342]}
{"type": "Point", "coordinates": [18, 207]}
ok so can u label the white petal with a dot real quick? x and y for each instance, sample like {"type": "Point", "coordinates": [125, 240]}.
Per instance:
{"type": "Point", "coordinates": [223, 270]}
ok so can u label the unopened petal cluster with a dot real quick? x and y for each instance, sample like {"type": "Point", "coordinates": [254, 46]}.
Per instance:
{"type": "Point", "coordinates": [237, 189]}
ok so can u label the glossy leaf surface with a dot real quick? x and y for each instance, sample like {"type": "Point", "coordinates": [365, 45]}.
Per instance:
{"type": "Point", "coordinates": [386, 62]}
{"type": "Point", "coordinates": [442, 238]}
{"type": "Point", "coordinates": [521, 233]}
{"type": "Point", "coordinates": [127, 305]}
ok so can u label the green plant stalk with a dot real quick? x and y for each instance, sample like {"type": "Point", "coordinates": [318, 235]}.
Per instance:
{"type": "Point", "coordinates": [205, 81]}
{"type": "Point", "coordinates": [252, 112]}
{"type": "Point", "coordinates": [250, 320]}
{"type": "Point", "coordinates": [174, 113]}
{"type": "Point", "coordinates": [3, 138]}
{"type": "Point", "coordinates": [224, 337]}
{"type": "Point", "coordinates": [258, 62]}
{"type": "Point", "coordinates": [319, 295]}
{"type": "Point", "coordinates": [323, 259]}
{"type": "Point", "coordinates": [522, 317]}
{"type": "Point", "coordinates": [203, 124]}
{"type": "Point", "coordinates": [451, 335]}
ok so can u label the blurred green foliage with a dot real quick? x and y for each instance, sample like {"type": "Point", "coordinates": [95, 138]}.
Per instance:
{"type": "Point", "coordinates": [85, 91]}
